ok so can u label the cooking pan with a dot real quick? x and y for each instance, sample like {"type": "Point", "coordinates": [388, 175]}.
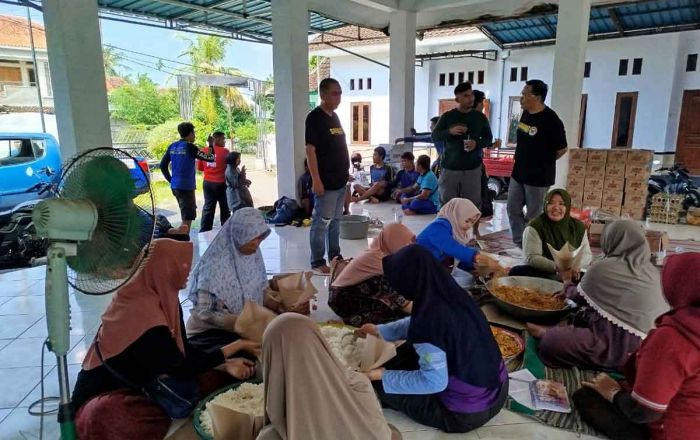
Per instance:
{"type": "Point", "coordinates": [542, 285]}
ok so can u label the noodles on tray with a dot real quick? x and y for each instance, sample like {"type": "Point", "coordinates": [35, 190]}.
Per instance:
{"type": "Point", "coordinates": [528, 298]}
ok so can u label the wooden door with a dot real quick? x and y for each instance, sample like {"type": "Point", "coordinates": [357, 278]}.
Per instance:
{"type": "Point", "coordinates": [446, 105]}
{"type": "Point", "coordinates": [360, 122]}
{"type": "Point", "coordinates": [582, 119]}
{"type": "Point", "coordinates": [688, 143]}
{"type": "Point", "coordinates": [623, 125]}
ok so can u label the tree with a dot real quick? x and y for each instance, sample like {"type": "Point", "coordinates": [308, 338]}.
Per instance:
{"type": "Point", "coordinates": [112, 62]}
{"type": "Point", "coordinates": [166, 133]}
{"type": "Point", "coordinates": [141, 102]}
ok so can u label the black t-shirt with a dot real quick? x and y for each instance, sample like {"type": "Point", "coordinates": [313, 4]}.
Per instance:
{"type": "Point", "coordinates": [326, 134]}
{"type": "Point", "coordinates": [540, 136]}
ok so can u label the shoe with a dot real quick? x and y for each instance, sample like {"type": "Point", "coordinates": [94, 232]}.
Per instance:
{"type": "Point", "coordinates": [321, 270]}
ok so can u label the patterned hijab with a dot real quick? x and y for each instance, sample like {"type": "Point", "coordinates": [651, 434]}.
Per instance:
{"type": "Point", "coordinates": [624, 286]}
{"type": "Point", "coordinates": [460, 212]}
{"type": "Point", "coordinates": [226, 272]}
{"type": "Point", "coordinates": [567, 230]}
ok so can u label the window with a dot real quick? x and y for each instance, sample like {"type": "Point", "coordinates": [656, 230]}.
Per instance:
{"type": "Point", "coordinates": [587, 69]}
{"type": "Point", "coordinates": [470, 77]}
{"type": "Point", "coordinates": [623, 126]}
{"type": "Point", "coordinates": [691, 63]}
{"type": "Point", "coordinates": [523, 74]}
{"type": "Point", "coordinates": [359, 83]}
{"type": "Point", "coordinates": [352, 84]}
{"type": "Point", "coordinates": [369, 83]}
{"type": "Point", "coordinates": [513, 74]}
{"type": "Point", "coordinates": [32, 76]}
{"type": "Point", "coordinates": [360, 122]}
{"type": "Point", "coordinates": [460, 77]}
{"type": "Point", "coordinates": [452, 79]}
{"type": "Point", "coordinates": [47, 75]}
{"type": "Point", "coordinates": [637, 66]}
{"type": "Point", "coordinates": [17, 151]}
{"type": "Point", "coordinates": [10, 75]}
{"type": "Point", "coordinates": [622, 69]}
{"type": "Point", "coordinates": [442, 79]}
{"type": "Point", "coordinates": [514, 112]}
{"type": "Point", "coordinates": [480, 77]}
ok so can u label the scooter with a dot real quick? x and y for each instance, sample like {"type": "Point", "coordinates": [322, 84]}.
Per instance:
{"type": "Point", "coordinates": [675, 180]}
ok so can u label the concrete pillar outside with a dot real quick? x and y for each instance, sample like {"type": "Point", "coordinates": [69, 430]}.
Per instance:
{"type": "Point", "coordinates": [290, 54]}
{"type": "Point", "coordinates": [567, 84]}
{"type": "Point", "coordinates": [77, 75]}
{"type": "Point", "coordinates": [402, 73]}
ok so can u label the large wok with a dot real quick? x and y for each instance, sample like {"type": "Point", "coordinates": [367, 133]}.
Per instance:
{"type": "Point", "coordinates": [543, 285]}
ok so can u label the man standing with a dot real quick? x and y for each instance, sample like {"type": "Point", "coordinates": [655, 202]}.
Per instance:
{"type": "Point", "coordinates": [328, 160]}
{"type": "Point", "coordinates": [541, 141]}
{"type": "Point", "coordinates": [181, 156]}
{"type": "Point", "coordinates": [214, 182]}
{"type": "Point", "coordinates": [465, 133]}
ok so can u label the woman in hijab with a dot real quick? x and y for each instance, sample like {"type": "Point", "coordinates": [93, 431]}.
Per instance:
{"type": "Point", "coordinates": [662, 400]}
{"type": "Point", "coordinates": [340, 404]}
{"type": "Point", "coordinates": [359, 293]}
{"type": "Point", "coordinates": [555, 227]}
{"type": "Point", "coordinates": [449, 374]}
{"type": "Point", "coordinates": [448, 236]}
{"type": "Point", "coordinates": [231, 271]}
{"type": "Point", "coordinates": [621, 296]}
{"type": "Point", "coordinates": [142, 338]}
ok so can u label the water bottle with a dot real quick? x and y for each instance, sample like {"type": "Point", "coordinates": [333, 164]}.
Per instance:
{"type": "Point", "coordinates": [398, 215]}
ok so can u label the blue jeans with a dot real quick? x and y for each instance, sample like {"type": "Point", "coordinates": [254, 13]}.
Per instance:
{"type": "Point", "coordinates": [325, 226]}
{"type": "Point", "coordinates": [420, 206]}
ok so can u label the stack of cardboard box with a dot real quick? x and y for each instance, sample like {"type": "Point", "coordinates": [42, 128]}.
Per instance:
{"type": "Point", "coordinates": [614, 180]}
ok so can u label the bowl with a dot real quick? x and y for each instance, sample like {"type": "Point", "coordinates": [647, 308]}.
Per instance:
{"type": "Point", "coordinates": [201, 432]}
{"type": "Point", "coordinates": [354, 227]}
{"type": "Point", "coordinates": [542, 285]}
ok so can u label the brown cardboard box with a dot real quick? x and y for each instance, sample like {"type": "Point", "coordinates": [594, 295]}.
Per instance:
{"type": "Point", "coordinates": [577, 169]}
{"type": "Point", "coordinates": [636, 186]}
{"type": "Point", "coordinates": [612, 200]}
{"type": "Point", "coordinates": [592, 199]}
{"type": "Point", "coordinates": [640, 157]}
{"type": "Point", "coordinates": [617, 156]}
{"type": "Point", "coordinates": [597, 156]}
{"type": "Point", "coordinates": [594, 184]}
{"type": "Point", "coordinates": [578, 155]}
{"type": "Point", "coordinates": [612, 209]}
{"type": "Point", "coordinates": [633, 212]}
{"type": "Point", "coordinates": [594, 169]}
{"type": "Point", "coordinates": [574, 182]}
{"type": "Point", "coordinates": [614, 185]}
{"type": "Point", "coordinates": [615, 169]}
{"type": "Point", "coordinates": [595, 232]}
{"type": "Point", "coordinates": [638, 172]}
{"type": "Point", "coordinates": [635, 200]}
{"type": "Point", "coordinates": [576, 197]}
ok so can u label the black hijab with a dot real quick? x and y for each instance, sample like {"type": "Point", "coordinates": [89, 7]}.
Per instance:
{"type": "Point", "coordinates": [445, 315]}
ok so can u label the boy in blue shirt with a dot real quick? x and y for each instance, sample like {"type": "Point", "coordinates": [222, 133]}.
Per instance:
{"type": "Point", "coordinates": [381, 176]}
{"type": "Point", "coordinates": [405, 179]}
{"type": "Point", "coordinates": [427, 200]}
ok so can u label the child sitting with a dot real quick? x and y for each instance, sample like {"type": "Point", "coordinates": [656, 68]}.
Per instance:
{"type": "Point", "coordinates": [237, 192]}
{"type": "Point", "coordinates": [381, 175]}
{"type": "Point", "coordinates": [427, 199]}
{"type": "Point", "coordinates": [405, 179]}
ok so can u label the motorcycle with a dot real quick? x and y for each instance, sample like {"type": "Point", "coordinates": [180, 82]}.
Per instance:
{"type": "Point", "coordinates": [675, 180]}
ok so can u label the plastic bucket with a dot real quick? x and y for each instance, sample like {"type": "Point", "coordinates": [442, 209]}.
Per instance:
{"type": "Point", "coordinates": [354, 227]}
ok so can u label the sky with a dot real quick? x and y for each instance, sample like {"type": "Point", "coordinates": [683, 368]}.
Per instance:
{"type": "Point", "coordinates": [253, 59]}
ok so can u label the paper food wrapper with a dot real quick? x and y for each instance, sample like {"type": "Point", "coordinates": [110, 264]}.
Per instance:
{"type": "Point", "coordinates": [229, 424]}
{"type": "Point", "coordinates": [376, 353]}
{"type": "Point", "coordinates": [253, 320]}
{"type": "Point", "coordinates": [290, 293]}
{"type": "Point", "coordinates": [565, 258]}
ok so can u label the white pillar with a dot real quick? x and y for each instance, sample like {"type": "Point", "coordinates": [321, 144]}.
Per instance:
{"type": "Point", "coordinates": [567, 84]}
{"type": "Point", "coordinates": [290, 55]}
{"type": "Point", "coordinates": [402, 73]}
{"type": "Point", "coordinates": [77, 74]}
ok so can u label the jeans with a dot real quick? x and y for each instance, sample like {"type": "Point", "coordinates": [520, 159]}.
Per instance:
{"type": "Point", "coordinates": [520, 195]}
{"type": "Point", "coordinates": [325, 226]}
{"type": "Point", "coordinates": [214, 193]}
{"type": "Point", "coordinates": [465, 184]}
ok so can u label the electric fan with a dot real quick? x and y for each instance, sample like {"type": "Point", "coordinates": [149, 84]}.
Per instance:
{"type": "Point", "coordinates": [99, 228]}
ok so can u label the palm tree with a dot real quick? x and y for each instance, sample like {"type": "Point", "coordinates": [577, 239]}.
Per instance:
{"type": "Point", "coordinates": [112, 61]}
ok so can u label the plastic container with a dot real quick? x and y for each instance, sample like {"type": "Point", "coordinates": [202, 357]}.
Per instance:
{"type": "Point", "coordinates": [354, 227]}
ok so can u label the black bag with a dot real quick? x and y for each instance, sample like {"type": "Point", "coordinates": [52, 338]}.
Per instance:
{"type": "Point", "coordinates": [177, 397]}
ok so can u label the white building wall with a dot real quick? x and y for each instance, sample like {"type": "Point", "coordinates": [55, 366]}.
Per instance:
{"type": "Point", "coordinates": [25, 94]}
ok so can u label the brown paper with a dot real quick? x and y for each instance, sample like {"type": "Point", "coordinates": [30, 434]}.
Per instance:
{"type": "Point", "coordinates": [253, 320]}
{"type": "Point", "coordinates": [565, 258]}
{"type": "Point", "coordinates": [376, 353]}
{"type": "Point", "coordinates": [290, 293]}
{"type": "Point", "coordinates": [228, 424]}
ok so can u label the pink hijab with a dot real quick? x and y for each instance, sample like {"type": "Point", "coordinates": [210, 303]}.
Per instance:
{"type": "Point", "coordinates": [390, 240]}
{"type": "Point", "coordinates": [148, 300]}
{"type": "Point", "coordinates": [460, 212]}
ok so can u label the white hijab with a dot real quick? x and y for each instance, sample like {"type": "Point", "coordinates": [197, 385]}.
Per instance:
{"type": "Point", "coordinates": [227, 273]}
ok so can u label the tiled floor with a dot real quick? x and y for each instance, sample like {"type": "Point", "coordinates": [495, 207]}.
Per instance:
{"type": "Point", "coordinates": [23, 330]}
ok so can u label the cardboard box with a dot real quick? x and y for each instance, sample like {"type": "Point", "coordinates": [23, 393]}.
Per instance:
{"type": "Point", "coordinates": [594, 184]}
{"type": "Point", "coordinates": [615, 169]}
{"type": "Point", "coordinates": [614, 185]}
{"type": "Point", "coordinates": [592, 199]}
{"type": "Point", "coordinates": [617, 156]}
{"type": "Point", "coordinates": [614, 210]}
{"type": "Point", "coordinates": [614, 200]}
{"type": "Point", "coordinates": [635, 200]}
{"type": "Point", "coordinates": [640, 157]}
{"type": "Point", "coordinates": [594, 169]}
{"type": "Point", "coordinates": [577, 169]}
{"type": "Point", "coordinates": [633, 212]}
{"type": "Point", "coordinates": [578, 155]}
{"type": "Point", "coordinates": [595, 232]}
{"type": "Point", "coordinates": [576, 197]}
{"type": "Point", "coordinates": [597, 156]}
{"type": "Point", "coordinates": [574, 182]}
{"type": "Point", "coordinates": [638, 172]}
{"type": "Point", "coordinates": [636, 186]}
